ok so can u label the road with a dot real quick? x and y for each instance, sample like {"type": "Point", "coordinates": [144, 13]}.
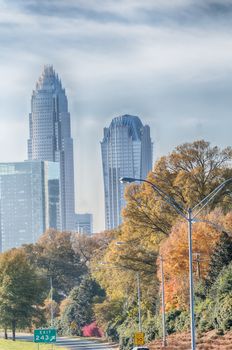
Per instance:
{"type": "Point", "coordinates": [82, 344]}
{"type": "Point", "coordinates": [75, 343]}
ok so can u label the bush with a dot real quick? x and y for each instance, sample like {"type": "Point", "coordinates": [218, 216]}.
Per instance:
{"type": "Point", "coordinates": [153, 327]}
{"type": "Point", "coordinates": [92, 330]}
{"type": "Point", "coordinates": [205, 314]}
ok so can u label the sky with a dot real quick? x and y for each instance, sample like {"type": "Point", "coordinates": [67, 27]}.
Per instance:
{"type": "Point", "coordinates": [167, 61]}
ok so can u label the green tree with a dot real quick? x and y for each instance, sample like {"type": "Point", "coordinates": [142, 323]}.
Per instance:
{"type": "Point", "coordinates": [79, 307]}
{"type": "Point", "coordinates": [21, 291]}
{"type": "Point", "coordinates": [221, 256]}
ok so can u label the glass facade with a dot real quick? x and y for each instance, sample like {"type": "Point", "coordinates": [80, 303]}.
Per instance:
{"type": "Point", "coordinates": [84, 223]}
{"type": "Point", "coordinates": [29, 201]}
{"type": "Point", "coordinates": [50, 136]}
{"type": "Point", "coordinates": [126, 151]}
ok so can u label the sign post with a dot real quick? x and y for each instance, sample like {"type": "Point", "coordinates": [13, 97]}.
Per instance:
{"type": "Point", "coordinates": [45, 335]}
{"type": "Point", "coordinates": [139, 338]}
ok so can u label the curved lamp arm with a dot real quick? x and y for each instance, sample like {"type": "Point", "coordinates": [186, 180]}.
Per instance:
{"type": "Point", "coordinates": [171, 201]}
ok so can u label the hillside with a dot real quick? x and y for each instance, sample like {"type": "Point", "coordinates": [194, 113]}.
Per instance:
{"type": "Point", "coordinates": [208, 341]}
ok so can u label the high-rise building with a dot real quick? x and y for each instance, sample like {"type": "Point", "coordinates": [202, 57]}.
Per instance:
{"type": "Point", "coordinates": [29, 201]}
{"type": "Point", "coordinates": [84, 223]}
{"type": "Point", "coordinates": [126, 151]}
{"type": "Point", "coordinates": [50, 137]}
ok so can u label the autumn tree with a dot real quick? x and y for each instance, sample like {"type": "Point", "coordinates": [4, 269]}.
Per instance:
{"type": "Point", "coordinates": [21, 291]}
{"type": "Point", "coordinates": [187, 174]}
{"type": "Point", "coordinates": [192, 171]}
{"type": "Point", "coordinates": [55, 255]}
{"type": "Point", "coordinates": [174, 250]}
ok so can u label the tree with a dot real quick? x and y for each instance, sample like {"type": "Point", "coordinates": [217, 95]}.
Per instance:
{"type": "Point", "coordinates": [55, 255]}
{"type": "Point", "coordinates": [87, 246]}
{"type": "Point", "coordinates": [192, 171]}
{"type": "Point", "coordinates": [221, 256]}
{"type": "Point", "coordinates": [187, 174]}
{"type": "Point", "coordinates": [78, 311]}
{"type": "Point", "coordinates": [176, 257]}
{"type": "Point", "coordinates": [21, 291]}
{"type": "Point", "coordinates": [221, 294]}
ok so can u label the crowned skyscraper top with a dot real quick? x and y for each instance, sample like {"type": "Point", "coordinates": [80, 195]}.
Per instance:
{"type": "Point", "coordinates": [50, 136]}
{"type": "Point", "coordinates": [126, 151]}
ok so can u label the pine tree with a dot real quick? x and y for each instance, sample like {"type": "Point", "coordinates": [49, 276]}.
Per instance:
{"type": "Point", "coordinates": [222, 256]}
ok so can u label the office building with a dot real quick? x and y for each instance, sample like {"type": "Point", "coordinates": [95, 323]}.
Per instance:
{"type": "Point", "coordinates": [29, 201]}
{"type": "Point", "coordinates": [126, 151]}
{"type": "Point", "coordinates": [50, 137]}
{"type": "Point", "coordinates": [84, 223]}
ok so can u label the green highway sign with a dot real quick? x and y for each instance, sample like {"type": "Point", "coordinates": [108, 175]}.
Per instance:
{"type": "Point", "coordinates": [45, 335]}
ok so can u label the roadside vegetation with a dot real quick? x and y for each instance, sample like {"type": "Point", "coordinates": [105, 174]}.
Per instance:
{"type": "Point", "coordinates": [95, 278]}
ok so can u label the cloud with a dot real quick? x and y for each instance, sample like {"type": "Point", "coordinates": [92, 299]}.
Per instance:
{"type": "Point", "coordinates": [181, 12]}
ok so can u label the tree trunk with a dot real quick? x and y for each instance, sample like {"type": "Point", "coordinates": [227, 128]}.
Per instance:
{"type": "Point", "coordinates": [13, 329]}
{"type": "Point", "coordinates": [5, 333]}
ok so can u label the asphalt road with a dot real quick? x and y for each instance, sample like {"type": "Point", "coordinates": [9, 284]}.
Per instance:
{"type": "Point", "coordinates": [81, 344]}
{"type": "Point", "coordinates": [75, 343]}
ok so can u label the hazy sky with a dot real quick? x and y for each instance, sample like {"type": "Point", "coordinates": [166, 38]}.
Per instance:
{"type": "Point", "coordinates": [167, 61]}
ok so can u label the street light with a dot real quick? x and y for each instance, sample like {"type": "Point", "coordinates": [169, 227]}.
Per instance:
{"type": "Point", "coordinates": [163, 301]}
{"type": "Point", "coordinates": [190, 216]}
{"type": "Point", "coordinates": [51, 296]}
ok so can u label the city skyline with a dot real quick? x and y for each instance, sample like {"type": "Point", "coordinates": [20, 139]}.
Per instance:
{"type": "Point", "coordinates": [168, 62]}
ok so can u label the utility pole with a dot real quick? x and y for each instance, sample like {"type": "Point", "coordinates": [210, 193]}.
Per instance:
{"type": "Point", "coordinates": [198, 260]}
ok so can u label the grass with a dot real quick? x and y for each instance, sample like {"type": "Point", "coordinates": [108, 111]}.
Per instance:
{"type": "Point", "coordinates": [23, 345]}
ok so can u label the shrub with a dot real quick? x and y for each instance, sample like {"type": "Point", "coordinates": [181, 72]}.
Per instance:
{"type": "Point", "coordinates": [92, 330]}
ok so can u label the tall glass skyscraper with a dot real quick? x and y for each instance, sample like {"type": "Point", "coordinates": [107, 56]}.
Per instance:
{"type": "Point", "coordinates": [50, 137]}
{"type": "Point", "coordinates": [126, 151]}
{"type": "Point", "coordinates": [29, 201]}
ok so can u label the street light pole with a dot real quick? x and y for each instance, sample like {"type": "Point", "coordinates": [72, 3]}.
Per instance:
{"type": "Point", "coordinates": [139, 301]}
{"type": "Point", "coordinates": [190, 218]}
{"type": "Point", "coordinates": [191, 283]}
{"type": "Point", "coordinates": [163, 302]}
{"type": "Point", "coordinates": [51, 295]}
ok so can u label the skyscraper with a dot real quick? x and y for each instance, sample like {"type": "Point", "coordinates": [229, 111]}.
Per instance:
{"type": "Point", "coordinates": [84, 223]}
{"type": "Point", "coordinates": [29, 201]}
{"type": "Point", "coordinates": [50, 136]}
{"type": "Point", "coordinates": [126, 151]}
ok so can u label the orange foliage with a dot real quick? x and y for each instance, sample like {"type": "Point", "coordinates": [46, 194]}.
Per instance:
{"type": "Point", "coordinates": [176, 256]}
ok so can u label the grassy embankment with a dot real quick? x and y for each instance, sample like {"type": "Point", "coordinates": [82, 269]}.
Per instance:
{"type": "Point", "coordinates": [22, 345]}
{"type": "Point", "coordinates": [207, 341]}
